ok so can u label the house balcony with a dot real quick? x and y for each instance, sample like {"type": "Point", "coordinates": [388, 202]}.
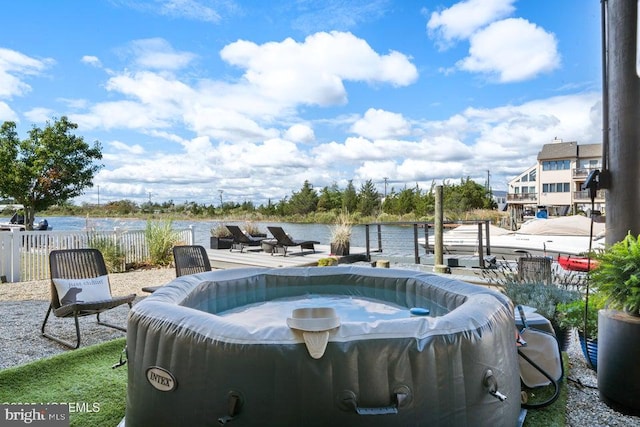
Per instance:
{"type": "Point", "coordinates": [522, 198]}
{"type": "Point", "coordinates": [583, 196]}
{"type": "Point", "coordinates": [579, 173]}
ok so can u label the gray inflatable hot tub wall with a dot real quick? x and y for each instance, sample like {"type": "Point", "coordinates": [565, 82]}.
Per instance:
{"type": "Point", "coordinates": [189, 367]}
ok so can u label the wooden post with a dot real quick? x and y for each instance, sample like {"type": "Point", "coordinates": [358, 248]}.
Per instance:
{"type": "Point", "coordinates": [438, 261]}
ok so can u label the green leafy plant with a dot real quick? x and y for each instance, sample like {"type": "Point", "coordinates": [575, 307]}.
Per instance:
{"type": "Point", "coordinates": [112, 252]}
{"type": "Point", "coordinates": [564, 288]}
{"type": "Point", "coordinates": [572, 315]}
{"type": "Point", "coordinates": [161, 237]}
{"type": "Point", "coordinates": [617, 276]}
{"type": "Point", "coordinates": [329, 261]}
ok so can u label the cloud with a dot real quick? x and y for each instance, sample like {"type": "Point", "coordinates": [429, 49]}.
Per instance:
{"type": "Point", "coordinates": [379, 124]}
{"type": "Point", "coordinates": [91, 60]}
{"type": "Point", "coordinates": [513, 50]}
{"type": "Point", "coordinates": [157, 53]}
{"type": "Point", "coordinates": [336, 14]}
{"type": "Point", "coordinates": [278, 78]}
{"type": "Point", "coordinates": [6, 113]}
{"type": "Point", "coordinates": [124, 149]}
{"type": "Point", "coordinates": [314, 71]}
{"type": "Point", "coordinates": [463, 19]}
{"type": "Point", "coordinates": [39, 115]}
{"type": "Point", "coordinates": [204, 11]}
{"type": "Point", "coordinates": [300, 133]}
{"type": "Point", "coordinates": [14, 67]}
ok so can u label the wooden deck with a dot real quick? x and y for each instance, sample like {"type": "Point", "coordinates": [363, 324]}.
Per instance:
{"type": "Point", "coordinates": [250, 257]}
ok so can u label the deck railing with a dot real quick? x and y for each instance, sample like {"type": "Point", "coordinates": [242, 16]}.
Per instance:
{"type": "Point", "coordinates": [421, 232]}
{"type": "Point", "coordinates": [24, 255]}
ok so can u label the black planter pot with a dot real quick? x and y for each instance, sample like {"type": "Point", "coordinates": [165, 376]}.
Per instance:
{"type": "Point", "coordinates": [340, 250]}
{"type": "Point", "coordinates": [220, 243]}
{"type": "Point", "coordinates": [563, 335]}
{"type": "Point", "coordinates": [618, 367]}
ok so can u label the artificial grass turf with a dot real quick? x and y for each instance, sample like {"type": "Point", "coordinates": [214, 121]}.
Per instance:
{"type": "Point", "coordinates": [553, 415]}
{"type": "Point", "coordinates": [84, 378]}
{"type": "Point", "coordinates": [96, 393]}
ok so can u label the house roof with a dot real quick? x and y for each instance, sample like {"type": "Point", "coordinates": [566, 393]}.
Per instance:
{"type": "Point", "coordinates": [565, 150]}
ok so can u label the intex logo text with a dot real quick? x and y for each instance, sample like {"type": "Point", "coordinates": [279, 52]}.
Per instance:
{"type": "Point", "coordinates": [161, 379]}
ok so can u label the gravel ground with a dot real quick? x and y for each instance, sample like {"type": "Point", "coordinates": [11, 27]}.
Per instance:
{"type": "Point", "coordinates": [23, 306]}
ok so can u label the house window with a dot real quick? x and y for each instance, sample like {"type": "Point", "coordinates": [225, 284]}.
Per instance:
{"type": "Point", "coordinates": [553, 165]}
{"type": "Point", "coordinates": [525, 178]}
{"type": "Point", "coordinates": [556, 187]}
{"type": "Point", "coordinates": [532, 175]}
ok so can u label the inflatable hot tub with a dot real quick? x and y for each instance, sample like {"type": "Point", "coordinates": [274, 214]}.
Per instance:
{"type": "Point", "coordinates": [320, 346]}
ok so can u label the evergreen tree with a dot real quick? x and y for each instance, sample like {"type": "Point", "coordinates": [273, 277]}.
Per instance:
{"type": "Point", "coordinates": [368, 199]}
{"type": "Point", "coordinates": [349, 198]}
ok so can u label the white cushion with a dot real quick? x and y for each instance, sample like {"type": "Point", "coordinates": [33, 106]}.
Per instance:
{"type": "Point", "coordinates": [82, 290]}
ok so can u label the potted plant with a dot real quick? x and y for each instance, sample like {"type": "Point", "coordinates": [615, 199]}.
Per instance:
{"type": "Point", "coordinates": [546, 298]}
{"type": "Point", "coordinates": [617, 279]}
{"type": "Point", "coordinates": [221, 237]}
{"type": "Point", "coordinates": [572, 316]}
{"type": "Point", "coordinates": [341, 235]}
{"type": "Point", "coordinates": [253, 230]}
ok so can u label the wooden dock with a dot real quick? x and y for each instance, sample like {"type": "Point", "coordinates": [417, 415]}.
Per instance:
{"type": "Point", "coordinates": [225, 259]}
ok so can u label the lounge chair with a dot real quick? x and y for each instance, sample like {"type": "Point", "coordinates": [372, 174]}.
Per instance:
{"type": "Point", "coordinates": [188, 259]}
{"type": "Point", "coordinates": [284, 241]}
{"type": "Point", "coordinates": [80, 287]}
{"type": "Point", "coordinates": [240, 239]}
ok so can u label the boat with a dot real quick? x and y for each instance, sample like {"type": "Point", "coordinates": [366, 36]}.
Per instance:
{"type": "Point", "coordinates": [568, 235]}
{"type": "Point", "coordinates": [16, 223]}
{"type": "Point", "coordinates": [577, 263]}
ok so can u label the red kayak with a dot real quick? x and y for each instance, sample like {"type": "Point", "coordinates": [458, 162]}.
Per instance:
{"type": "Point", "coordinates": [576, 263]}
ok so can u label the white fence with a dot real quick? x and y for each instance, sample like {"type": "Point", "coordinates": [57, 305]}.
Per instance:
{"type": "Point", "coordinates": [24, 255]}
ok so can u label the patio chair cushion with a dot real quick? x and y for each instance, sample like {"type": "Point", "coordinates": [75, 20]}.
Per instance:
{"type": "Point", "coordinates": [82, 290]}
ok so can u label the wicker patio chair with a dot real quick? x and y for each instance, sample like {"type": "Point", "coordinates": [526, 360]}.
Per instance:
{"type": "Point", "coordinates": [188, 259]}
{"type": "Point", "coordinates": [82, 275]}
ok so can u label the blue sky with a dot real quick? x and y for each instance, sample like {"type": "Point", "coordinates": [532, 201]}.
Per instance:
{"type": "Point", "coordinates": [192, 97]}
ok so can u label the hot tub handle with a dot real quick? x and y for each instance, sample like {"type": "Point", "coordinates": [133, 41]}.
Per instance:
{"type": "Point", "coordinates": [348, 401]}
{"type": "Point", "coordinates": [234, 402]}
{"type": "Point", "coordinates": [491, 384]}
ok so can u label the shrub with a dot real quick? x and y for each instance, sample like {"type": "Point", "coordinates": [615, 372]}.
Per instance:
{"type": "Point", "coordinates": [111, 250]}
{"type": "Point", "coordinates": [160, 239]}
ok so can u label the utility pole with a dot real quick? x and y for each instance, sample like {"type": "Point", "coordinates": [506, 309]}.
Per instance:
{"type": "Point", "coordinates": [221, 191]}
{"type": "Point", "coordinates": [385, 186]}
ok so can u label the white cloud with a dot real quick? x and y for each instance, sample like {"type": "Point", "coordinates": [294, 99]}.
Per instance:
{"type": "Point", "coordinates": [182, 9]}
{"type": "Point", "coordinates": [123, 149]}
{"type": "Point", "coordinates": [157, 53]}
{"type": "Point", "coordinates": [378, 124]}
{"type": "Point", "coordinates": [190, 9]}
{"type": "Point", "coordinates": [14, 67]}
{"type": "Point", "coordinates": [313, 72]}
{"type": "Point", "coordinates": [300, 133]}
{"type": "Point", "coordinates": [512, 49]}
{"type": "Point", "coordinates": [463, 19]}
{"type": "Point", "coordinates": [6, 113]}
{"type": "Point", "coordinates": [39, 115]}
{"type": "Point", "coordinates": [91, 60]}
